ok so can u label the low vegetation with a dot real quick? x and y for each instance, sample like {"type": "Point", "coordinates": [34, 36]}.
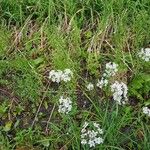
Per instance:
{"type": "Point", "coordinates": [74, 75]}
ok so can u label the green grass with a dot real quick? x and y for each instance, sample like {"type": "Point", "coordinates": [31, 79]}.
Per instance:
{"type": "Point", "coordinates": [37, 36]}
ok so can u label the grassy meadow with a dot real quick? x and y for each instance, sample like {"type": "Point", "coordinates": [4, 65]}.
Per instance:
{"type": "Point", "coordinates": [37, 36]}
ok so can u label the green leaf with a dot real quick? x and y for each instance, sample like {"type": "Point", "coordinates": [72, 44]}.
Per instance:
{"type": "Point", "coordinates": [38, 61]}
{"type": "Point", "coordinates": [88, 34]}
{"type": "Point", "coordinates": [45, 105]}
{"type": "Point", "coordinates": [8, 126]}
{"type": "Point", "coordinates": [45, 143]}
{"type": "Point", "coordinates": [147, 103]}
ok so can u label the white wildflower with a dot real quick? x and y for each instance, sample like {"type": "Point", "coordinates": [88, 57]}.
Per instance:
{"type": "Point", "coordinates": [69, 72]}
{"type": "Point", "coordinates": [55, 76]}
{"type": "Point", "coordinates": [146, 111]}
{"type": "Point", "coordinates": [91, 136]}
{"type": "Point", "coordinates": [119, 92]}
{"type": "Point", "coordinates": [92, 143]}
{"type": "Point", "coordinates": [99, 140]}
{"type": "Point", "coordinates": [65, 105]}
{"type": "Point", "coordinates": [96, 125]}
{"type": "Point", "coordinates": [67, 75]}
{"type": "Point", "coordinates": [102, 82]}
{"type": "Point", "coordinates": [145, 54]}
{"type": "Point", "coordinates": [100, 130]}
{"type": "Point", "coordinates": [83, 130]}
{"type": "Point", "coordinates": [90, 86]}
{"type": "Point", "coordinates": [85, 124]}
{"type": "Point", "coordinates": [58, 76]}
{"type": "Point", "coordinates": [83, 141]}
{"type": "Point", "coordinates": [111, 69]}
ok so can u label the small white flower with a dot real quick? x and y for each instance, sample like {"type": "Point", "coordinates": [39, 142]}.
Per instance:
{"type": "Point", "coordinates": [91, 143]}
{"type": "Point", "coordinates": [55, 76]}
{"type": "Point", "coordinates": [146, 111]}
{"type": "Point", "coordinates": [90, 86]}
{"type": "Point", "coordinates": [85, 124]}
{"type": "Point", "coordinates": [69, 72]}
{"type": "Point", "coordinates": [96, 125]}
{"type": "Point", "coordinates": [99, 140]}
{"type": "Point", "coordinates": [67, 75]}
{"type": "Point", "coordinates": [90, 136]}
{"type": "Point", "coordinates": [100, 131]}
{"type": "Point", "coordinates": [102, 82]}
{"type": "Point", "coordinates": [119, 92]}
{"type": "Point", "coordinates": [84, 134]}
{"type": "Point", "coordinates": [61, 99]}
{"type": "Point", "coordinates": [92, 133]}
{"type": "Point", "coordinates": [83, 141]}
{"type": "Point", "coordinates": [83, 130]}
{"type": "Point", "coordinates": [58, 76]}
{"type": "Point", "coordinates": [65, 105]}
{"type": "Point", "coordinates": [65, 78]}
{"type": "Point", "coordinates": [111, 69]}
{"type": "Point", "coordinates": [145, 54]}
{"type": "Point", "coordinates": [51, 73]}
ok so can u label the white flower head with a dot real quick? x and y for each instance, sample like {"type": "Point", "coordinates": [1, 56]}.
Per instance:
{"type": "Point", "coordinates": [102, 82]}
{"type": "Point", "coordinates": [67, 75]}
{"type": "Point", "coordinates": [146, 111]}
{"type": "Point", "coordinates": [144, 54]}
{"type": "Point", "coordinates": [119, 92]}
{"type": "Point", "coordinates": [58, 76]}
{"type": "Point", "coordinates": [90, 87]}
{"type": "Point", "coordinates": [99, 140]}
{"type": "Point", "coordinates": [91, 136]}
{"type": "Point", "coordinates": [83, 141]}
{"type": "Point", "coordinates": [65, 105]}
{"type": "Point", "coordinates": [91, 143]}
{"type": "Point", "coordinates": [96, 125]}
{"type": "Point", "coordinates": [111, 69]}
{"type": "Point", "coordinates": [55, 76]}
{"type": "Point", "coordinates": [85, 124]}
{"type": "Point", "coordinates": [69, 72]}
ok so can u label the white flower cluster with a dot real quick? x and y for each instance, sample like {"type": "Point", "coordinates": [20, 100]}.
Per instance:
{"type": "Point", "coordinates": [119, 92]}
{"type": "Point", "coordinates": [91, 137]}
{"type": "Point", "coordinates": [58, 76]}
{"type": "Point", "coordinates": [102, 82]}
{"type": "Point", "coordinates": [111, 69]}
{"type": "Point", "coordinates": [90, 87]}
{"type": "Point", "coordinates": [145, 54]}
{"type": "Point", "coordinates": [65, 105]}
{"type": "Point", "coordinates": [146, 111]}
